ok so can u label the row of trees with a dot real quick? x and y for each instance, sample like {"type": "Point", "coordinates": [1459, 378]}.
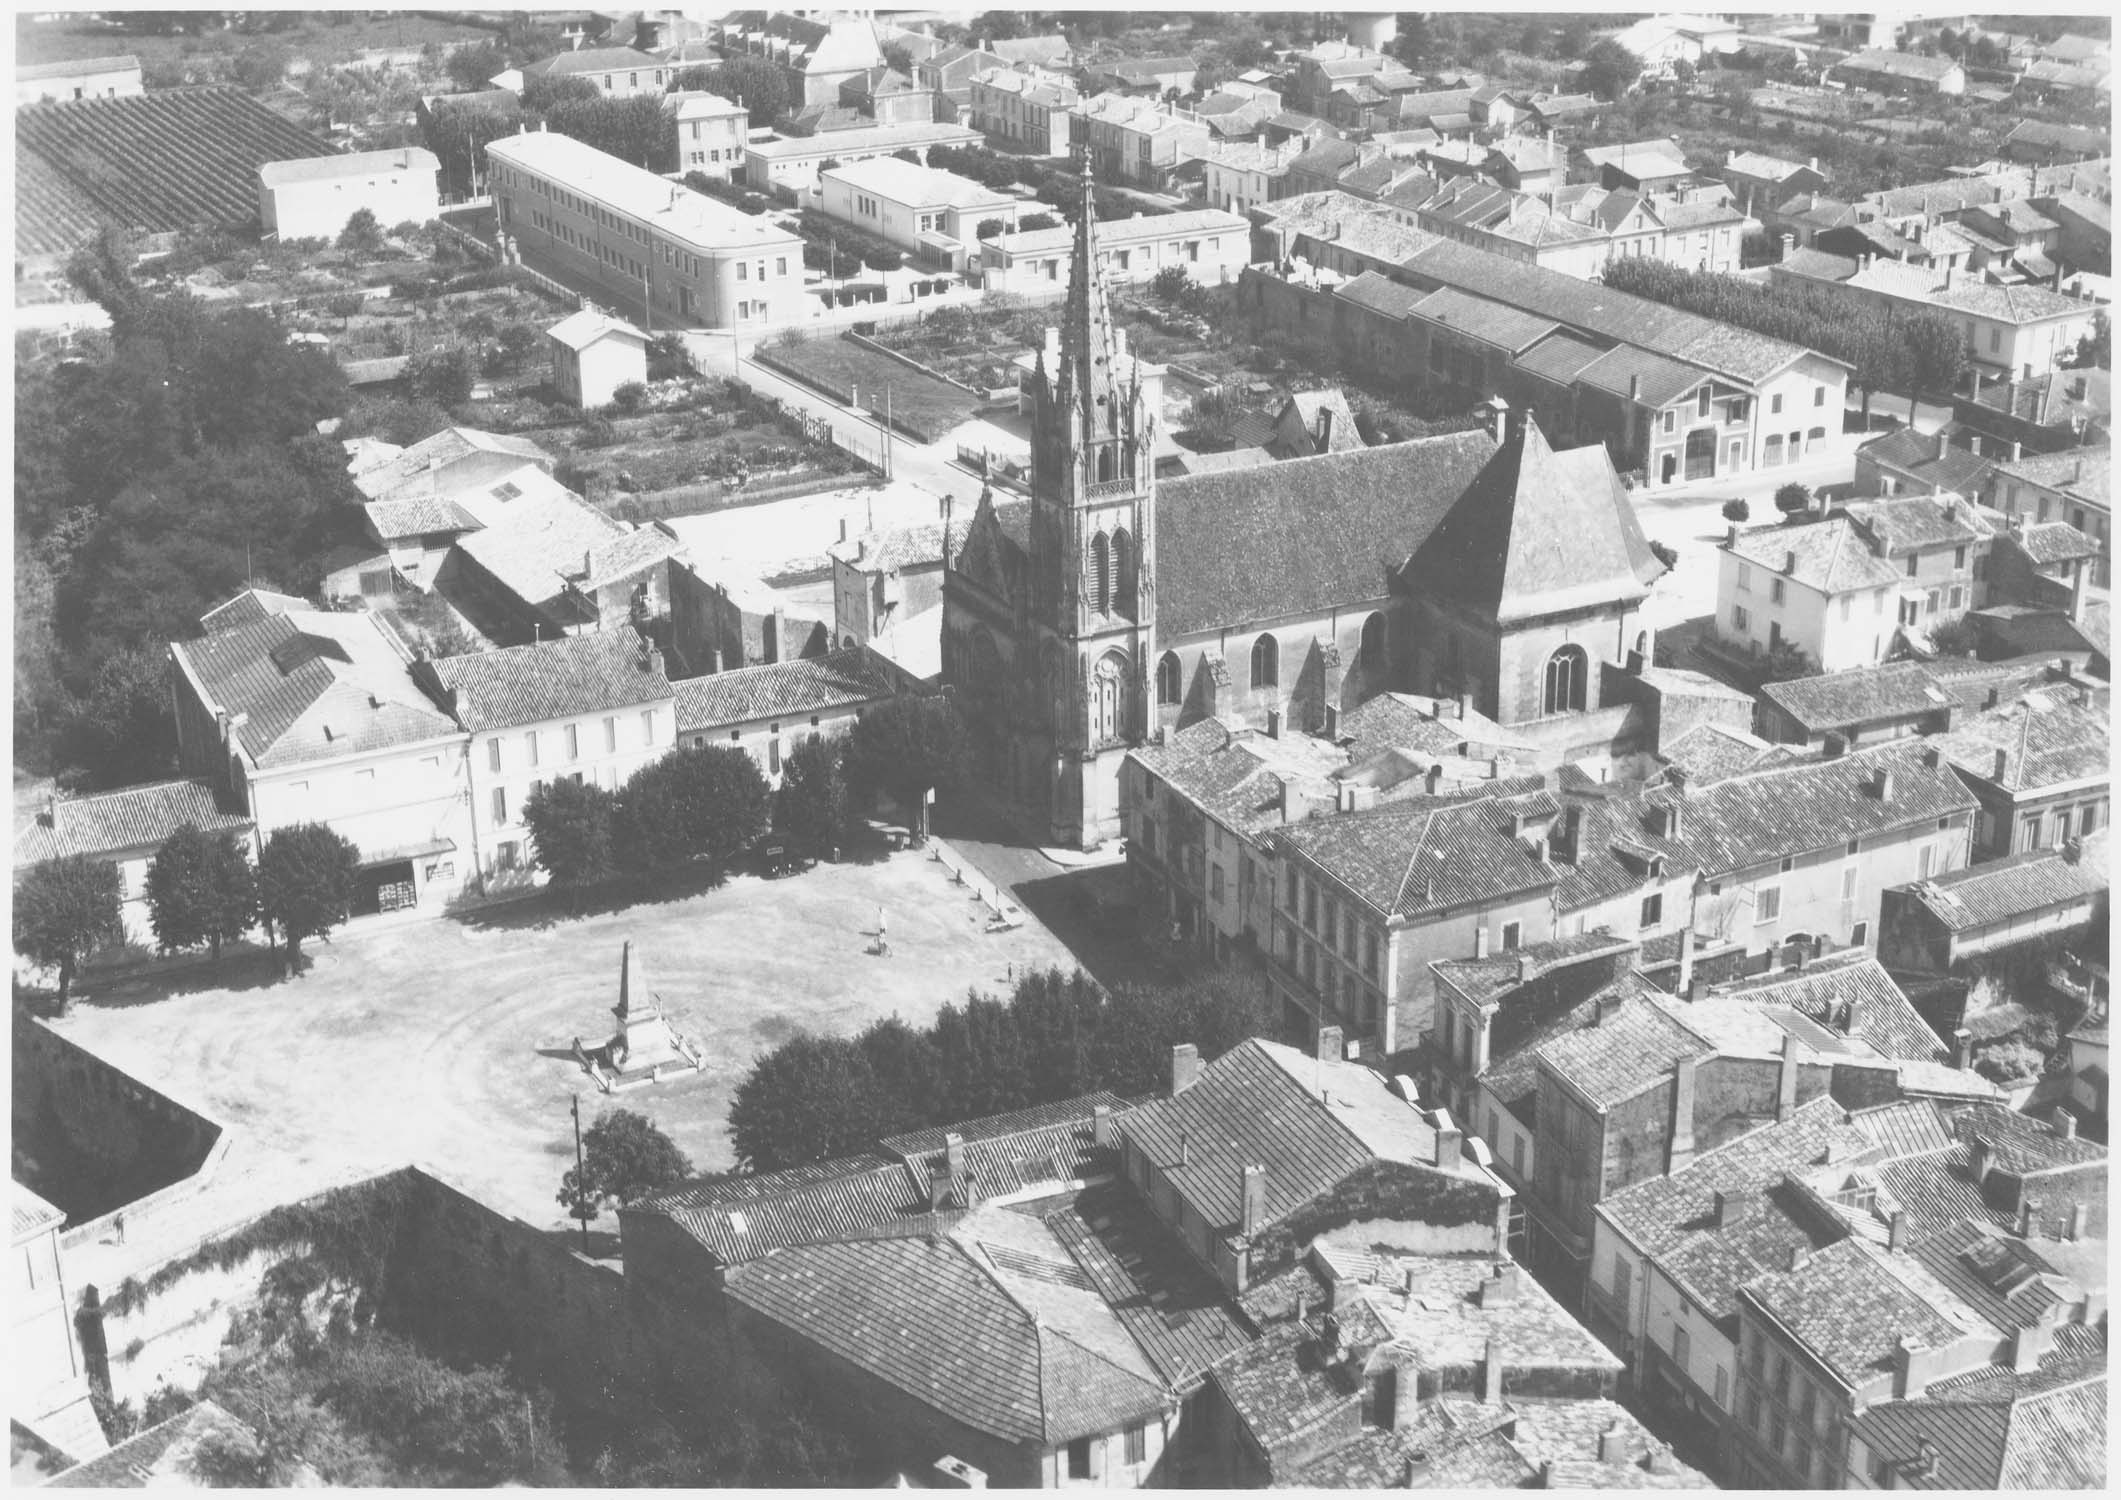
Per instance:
{"type": "Point", "coordinates": [1924, 351]}
{"type": "Point", "coordinates": [201, 890]}
{"type": "Point", "coordinates": [1055, 1037]}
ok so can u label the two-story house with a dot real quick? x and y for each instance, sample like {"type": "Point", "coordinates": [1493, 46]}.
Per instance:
{"type": "Point", "coordinates": [768, 710]}
{"type": "Point", "coordinates": [298, 715]}
{"type": "Point", "coordinates": [125, 828]}
{"type": "Point", "coordinates": [1022, 111]}
{"type": "Point", "coordinates": [615, 72]}
{"type": "Point", "coordinates": [2037, 767]}
{"type": "Point", "coordinates": [1820, 587]}
{"type": "Point", "coordinates": [2074, 486]}
{"type": "Point", "coordinates": [587, 708]}
{"type": "Point", "coordinates": [710, 132]}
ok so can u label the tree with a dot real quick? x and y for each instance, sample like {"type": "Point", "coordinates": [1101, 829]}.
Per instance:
{"type": "Point", "coordinates": [261, 65]}
{"type": "Point", "coordinates": [811, 808]}
{"type": "Point", "coordinates": [124, 731]}
{"type": "Point", "coordinates": [443, 375]}
{"type": "Point", "coordinates": [571, 826]}
{"type": "Point", "coordinates": [668, 357]}
{"type": "Point", "coordinates": [1786, 662]}
{"type": "Point", "coordinates": [65, 909]}
{"type": "Point", "coordinates": [1610, 70]}
{"type": "Point", "coordinates": [1793, 499]}
{"type": "Point", "coordinates": [2009, 1063]}
{"type": "Point", "coordinates": [898, 57]}
{"type": "Point", "coordinates": [1031, 222]}
{"type": "Point", "coordinates": [1936, 351]}
{"type": "Point", "coordinates": [542, 92]}
{"type": "Point", "coordinates": [752, 82]}
{"type": "Point", "coordinates": [1211, 416]}
{"type": "Point", "coordinates": [1575, 40]}
{"type": "Point", "coordinates": [624, 1156]}
{"type": "Point", "coordinates": [1684, 75]}
{"type": "Point", "coordinates": [633, 130]}
{"type": "Point", "coordinates": [1414, 42]}
{"type": "Point", "coordinates": [1171, 284]}
{"type": "Point", "coordinates": [472, 67]}
{"type": "Point", "coordinates": [990, 229]}
{"type": "Point", "coordinates": [1665, 554]}
{"type": "Point", "coordinates": [362, 232]}
{"type": "Point", "coordinates": [2094, 348]}
{"type": "Point", "coordinates": [1955, 637]}
{"type": "Point", "coordinates": [305, 884]}
{"type": "Point", "coordinates": [907, 748]}
{"type": "Point", "coordinates": [810, 1099]}
{"type": "Point", "coordinates": [1737, 511]}
{"type": "Point", "coordinates": [693, 804]}
{"type": "Point", "coordinates": [200, 889]}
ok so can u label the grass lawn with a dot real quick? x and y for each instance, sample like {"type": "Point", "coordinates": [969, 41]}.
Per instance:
{"type": "Point", "coordinates": [445, 1041]}
{"type": "Point", "coordinates": [919, 403]}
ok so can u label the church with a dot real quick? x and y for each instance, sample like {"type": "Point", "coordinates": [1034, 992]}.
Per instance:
{"type": "Point", "coordinates": [1114, 607]}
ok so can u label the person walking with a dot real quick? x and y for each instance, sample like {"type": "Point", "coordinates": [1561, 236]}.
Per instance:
{"type": "Point", "coordinates": [883, 941]}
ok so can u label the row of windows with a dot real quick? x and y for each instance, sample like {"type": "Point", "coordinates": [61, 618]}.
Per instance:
{"type": "Point", "coordinates": [572, 739]}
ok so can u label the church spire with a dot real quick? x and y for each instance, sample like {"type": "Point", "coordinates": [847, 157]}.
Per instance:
{"type": "Point", "coordinates": [1087, 381]}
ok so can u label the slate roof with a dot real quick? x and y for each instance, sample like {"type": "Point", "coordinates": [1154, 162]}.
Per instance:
{"type": "Point", "coordinates": [596, 672]}
{"type": "Point", "coordinates": [316, 686]}
{"type": "Point", "coordinates": [1001, 1349]}
{"type": "Point", "coordinates": [1379, 293]}
{"type": "Point", "coordinates": [1983, 895]}
{"type": "Point", "coordinates": [1539, 532]}
{"type": "Point", "coordinates": [135, 817]}
{"type": "Point", "coordinates": [808, 685]}
{"type": "Point", "coordinates": [1560, 358]}
{"type": "Point", "coordinates": [1258, 1105]}
{"type": "Point", "coordinates": [1597, 309]}
{"type": "Point", "coordinates": [2043, 746]}
{"type": "Point", "coordinates": [1831, 556]}
{"type": "Point", "coordinates": [1231, 552]}
{"type": "Point", "coordinates": [2043, 1430]}
{"type": "Point", "coordinates": [1850, 1303]}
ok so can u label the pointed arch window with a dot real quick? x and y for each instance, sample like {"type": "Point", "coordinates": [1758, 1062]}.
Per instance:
{"type": "Point", "coordinates": [1108, 699]}
{"type": "Point", "coordinates": [1170, 679]}
{"type": "Point", "coordinates": [1100, 574]}
{"type": "Point", "coordinates": [1104, 463]}
{"type": "Point", "coordinates": [1567, 671]}
{"type": "Point", "coordinates": [1373, 641]}
{"type": "Point", "coordinates": [1123, 574]}
{"type": "Point", "coordinates": [1266, 662]}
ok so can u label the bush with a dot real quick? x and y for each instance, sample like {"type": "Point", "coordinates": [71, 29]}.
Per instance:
{"type": "Point", "coordinates": [1737, 511]}
{"type": "Point", "coordinates": [2009, 1064]}
{"type": "Point", "coordinates": [1793, 499]}
{"type": "Point", "coordinates": [629, 396]}
{"type": "Point", "coordinates": [1669, 556]}
{"type": "Point", "coordinates": [598, 431]}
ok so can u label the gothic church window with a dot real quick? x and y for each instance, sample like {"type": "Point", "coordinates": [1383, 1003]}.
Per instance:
{"type": "Point", "coordinates": [1266, 662]}
{"type": "Point", "coordinates": [1567, 671]}
{"type": "Point", "coordinates": [1100, 574]}
{"type": "Point", "coordinates": [1123, 574]}
{"type": "Point", "coordinates": [1169, 679]}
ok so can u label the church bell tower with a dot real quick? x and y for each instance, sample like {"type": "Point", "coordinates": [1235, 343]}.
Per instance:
{"type": "Point", "coordinates": [1092, 541]}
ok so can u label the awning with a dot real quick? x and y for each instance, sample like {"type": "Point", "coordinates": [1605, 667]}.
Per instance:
{"type": "Point", "coordinates": [404, 852]}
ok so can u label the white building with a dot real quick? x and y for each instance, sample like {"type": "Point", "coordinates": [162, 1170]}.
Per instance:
{"type": "Point", "coordinates": [78, 78]}
{"type": "Point", "coordinates": [312, 197]}
{"type": "Point", "coordinates": [591, 708]}
{"type": "Point", "coordinates": [711, 132]}
{"type": "Point", "coordinates": [1824, 587]}
{"type": "Point", "coordinates": [766, 711]}
{"type": "Point", "coordinates": [615, 72]}
{"type": "Point", "coordinates": [593, 355]}
{"type": "Point", "coordinates": [794, 162]}
{"type": "Point", "coordinates": [696, 260]}
{"type": "Point", "coordinates": [1213, 246]}
{"type": "Point", "coordinates": [914, 207]}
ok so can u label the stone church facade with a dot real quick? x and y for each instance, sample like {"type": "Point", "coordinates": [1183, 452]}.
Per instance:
{"type": "Point", "coordinates": [1113, 607]}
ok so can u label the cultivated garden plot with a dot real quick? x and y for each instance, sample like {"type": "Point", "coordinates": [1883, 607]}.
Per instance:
{"type": "Point", "coordinates": [926, 406]}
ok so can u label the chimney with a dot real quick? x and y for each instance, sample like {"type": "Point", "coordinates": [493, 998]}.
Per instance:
{"type": "Point", "coordinates": [1789, 245]}
{"type": "Point", "coordinates": [1491, 1374]}
{"type": "Point", "coordinates": [1254, 1192]}
{"type": "Point", "coordinates": [1332, 726]}
{"type": "Point", "coordinates": [1500, 1289]}
{"type": "Point", "coordinates": [1273, 723]}
{"type": "Point", "coordinates": [1882, 786]}
{"type": "Point", "coordinates": [1524, 967]}
{"type": "Point", "coordinates": [1613, 1444]}
{"type": "Point", "coordinates": [1185, 1149]}
{"type": "Point", "coordinates": [1896, 1230]}
{"type": "Point", "coordinates": [1685, 982]}
{"type": "Point", "coordinates": [1789, 562]}
{"type": "Point", "coordinates": [2029, 1346]}
{"type": "Point", "coordinates": [1680, 1151]}
{"type": "Point", "coordinates": [2017, 450]}
{"type": "Point", "coordinates": [1980, 1156]}
{"type": "Point", "coordinates": [1927, 1460]}
{"type": "Point", "coordinates": [1800, 1257]}
{"type": "Point", "coordinates": [1786, 1079]}
{"type": "Point", "coordinates": [2076, 1221]}
{"type": "Point", "coordinates": [1834, 747]}
{"type": "Point", "coordinates": [1730, 535]}
{"type": "Point", "coordinates": [1325, 429]}
{"type": "Point", "coordinates": [954, 1154]}
{"type": "Point", "coordinates": [1480, 941]}
{"type": "Point", "coordinates": [2003, 757]}
{"type": "Point", "coordinates": [1185, 1067]}
{"type": "Point", "coordinates": [1101, 1131]}
{"type": "Point", "coordinates": [1962, 1047]}
{"type": "Point", "coordinates": [1635, 389]}
{"type": "Point", "coordinates": [2062, 1123]}
{"type": "Point", "coordinates": [1447, 1140]}
{"type": "Point", "coordinates": [1329, 1044]}
{"type": "Point", "coordinates": [1465, 701]}
{"type": "Point", "coordinates": [843, 529]}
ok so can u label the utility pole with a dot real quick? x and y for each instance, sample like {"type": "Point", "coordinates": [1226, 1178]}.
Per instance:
{"type": "Point", "coordinates": [887, 429]}
{"type": "Point", "coordinates": [581, 1174]}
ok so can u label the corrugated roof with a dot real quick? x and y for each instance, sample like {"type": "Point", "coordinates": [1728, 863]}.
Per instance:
{"type": "Point", "coordinates": [597, 672]}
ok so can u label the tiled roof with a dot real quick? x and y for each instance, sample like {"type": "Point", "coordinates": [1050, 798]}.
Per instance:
{"type": "Point", "coordinates": [2002, 1277]}
{"type": "Point", "coordinates": [412, 467]}
{"type": "Point", "coordinates": [1559, 358]}
{"type": "Point", "coordinates": [2042, 1430]}
{"type": "Point", "coordinates": [1770, 168]}
{"type": "Point", "coordinates": [1912, 1127]}
{"type": "Point", "coordinates": [867, 1192]}
{"type": "Point", "coordinates": [1638, 159]}
{"type": "Point", "coordinates": [596, 672]}
{"type": "Point", "coordinates": [29, 1213]}
{"type": "Point", "coordinates": [1379, 293]}
{"type": "Point", "coordinates": [1256, 1106]}
{"type": "Point", "coordinates": [1960, 470]}
{"type": "Point", "coordinates": [627, 554]}
{"type": "Point", "coordinates": [249, 607]}
{"type": "Point", "coordinates": [1849, 1304]}
{"type": "Point", "coordinates": [315, 685]}
{"type": "Point", "coordinates": [1916, 523]}
{"type": "Point", "coordinates": [1631, 1047]}
{"type": "Point", "coordinates": [543, 540]}
{"type": "Point", "coordinates": [807, 685]}
{"type": "Point", "coordinates": [157, 1458]}
{"type": "Point", "coordinates": [1787, 810]}
{"type": "Point", "coordinates": [1042, 1149]}
{"type": "Point", "coordinates": [2082, 472]}
{"type": "Point", "coordinates": [1831, 989]}
{"type": "Point", "coordinates": [136, 817]}
{"type": "Point", "coordinates": [1235, 776]}
{"type": "Point", "coordinates": [591, 60]}
{"type": "Point", "coordinates": [2010, 304]}
{"type": "Point", "coordinates": [1230, 553]}
{"type": "Point", "coordinates": [1423, 855]}
{"type": "Point", "coordinates": [1899, 64]}
{"type": "Point", "coordinates": [1477, 317]}
{"type": "Point", "coordinates": [418, 515]}
{"type": "Point", "coordinates": [1492, 978]}
{"type": "Point", "coordinates": [2042, 745]}
{"type": "Point", "coordinates": [1640, 375]}
{"type": "Point", "coordinates": [2018, 886]}
{"type": "Point", "coordinates": [1539, 532]}
{"type": "Point", "coordinates": [1026, 1359]}
{"type": "Point", "coordinates": [1831, 556]}
{"type": "Point", "coordinates": [2048, 542]}
{"type": "Point", "coordinates": [1861, 695]}
{"type": "Point", "coordinates": [1710, 753]}
{"type": "Point", "coordinates": [578, 330]}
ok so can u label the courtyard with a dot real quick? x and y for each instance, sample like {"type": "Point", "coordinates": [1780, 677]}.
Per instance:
{"type": "Point", "coordinates": [446, 1041]}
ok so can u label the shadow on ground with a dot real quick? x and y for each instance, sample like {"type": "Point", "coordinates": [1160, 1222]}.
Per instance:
{"type": "Point", "coordinates": [1089, 911]}
{"type": "Point", "coordinates": [245, 969]}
